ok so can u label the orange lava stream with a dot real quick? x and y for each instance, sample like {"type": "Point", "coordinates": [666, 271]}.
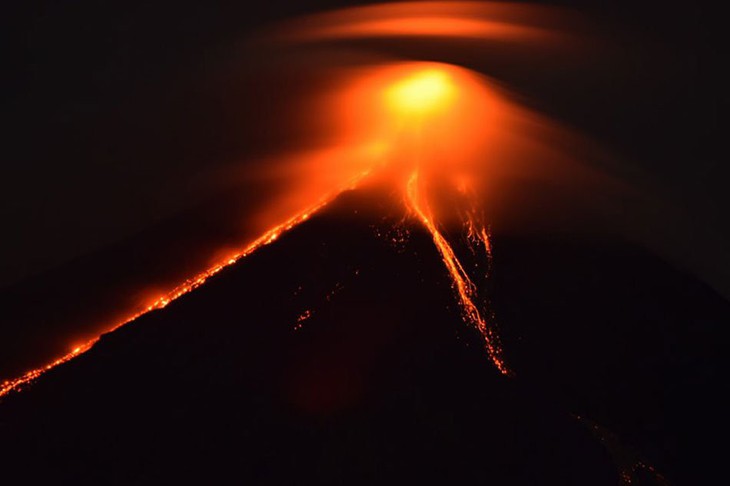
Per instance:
{"type": "Point", "coordinates": [463, 285]}
{"type": "Point", "coordinates": [30, 376]}
{"type": "Point", "coordinates": [185, 287]}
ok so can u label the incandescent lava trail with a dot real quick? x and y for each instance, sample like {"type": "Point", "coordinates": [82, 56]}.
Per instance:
{"type": "Point", "coordinates": [419, 97]}
{"type": "Point", "coordinates": [162, 302]}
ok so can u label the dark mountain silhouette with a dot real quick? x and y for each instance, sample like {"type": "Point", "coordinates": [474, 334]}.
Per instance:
{"type": "Point", "coordinates": [87, 295]}
{"type": "Point", "coordinates": [337, 356]}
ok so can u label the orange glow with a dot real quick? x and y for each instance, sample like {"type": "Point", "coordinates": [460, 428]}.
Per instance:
{"type": "Point", "coordinates": [423, 92]}
{"type": "Point", "coordinates": [426, 129]}
{"type": "Point", "coordinates": [425, 97]}
{"type": "Point", "coordinates": [465, 20]}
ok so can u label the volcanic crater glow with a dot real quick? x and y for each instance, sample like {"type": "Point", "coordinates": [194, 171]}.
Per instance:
{"type": "Point", "coordinates": [422, 92]}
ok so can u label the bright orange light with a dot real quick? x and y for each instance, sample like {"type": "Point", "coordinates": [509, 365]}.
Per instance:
{"type": "Point", "coordinates": [425, 91]}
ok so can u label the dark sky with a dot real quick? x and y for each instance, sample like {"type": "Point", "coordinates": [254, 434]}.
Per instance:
{"type": "Point", "coordinates": [109, 127]}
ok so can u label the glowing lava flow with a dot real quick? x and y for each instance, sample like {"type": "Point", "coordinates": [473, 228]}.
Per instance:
{"type": "Point", "coordinates": [425, 99]}
{"type": "Point", "coordinates": [465, 288]}
{"type": "Point", "coordinates": [187, 286]}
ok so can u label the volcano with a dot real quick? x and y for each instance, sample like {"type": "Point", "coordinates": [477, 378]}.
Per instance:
{"type": "Point", "coordinates": [338, 355]}
{"type": "Point", "coordinates": [399, 247]}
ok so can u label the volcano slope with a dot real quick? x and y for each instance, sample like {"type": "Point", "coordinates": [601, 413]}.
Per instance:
{"type": "Point", "coordinates": [337, 355]}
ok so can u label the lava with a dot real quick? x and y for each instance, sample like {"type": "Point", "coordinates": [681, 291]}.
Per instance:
{"type": "Point", "coordinates": [163, 301]}
{"type": "Point", "coordinates": [462, 283]}
{"type": "Point", "coordinates": [427, 93]}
